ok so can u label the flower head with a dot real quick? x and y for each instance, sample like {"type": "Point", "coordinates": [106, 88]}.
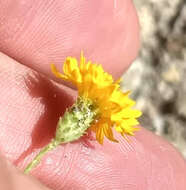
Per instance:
{"type": "Point", "coordinates": [114, 108]}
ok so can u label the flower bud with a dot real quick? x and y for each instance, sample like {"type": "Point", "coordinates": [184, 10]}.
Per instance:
{"type": "Point", "coordinates": [75, 121]}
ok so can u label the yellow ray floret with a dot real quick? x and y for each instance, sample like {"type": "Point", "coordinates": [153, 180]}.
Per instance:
{"type": "Point", "coordinates": [114, 107]}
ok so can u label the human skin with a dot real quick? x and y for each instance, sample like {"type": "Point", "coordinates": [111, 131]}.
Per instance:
{"type": "Point", "coordinates": [36, 33]}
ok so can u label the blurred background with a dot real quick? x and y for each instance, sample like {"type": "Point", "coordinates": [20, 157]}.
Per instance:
{"type": "Point", "coordinates": [158, 76]}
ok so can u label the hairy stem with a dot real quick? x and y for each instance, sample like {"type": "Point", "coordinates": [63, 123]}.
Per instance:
{"type": "Point", "coordinates": [52, 145]}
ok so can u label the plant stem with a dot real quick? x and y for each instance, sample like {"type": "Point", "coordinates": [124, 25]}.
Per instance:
{"type": "Point", "coordinates": [53, 144]}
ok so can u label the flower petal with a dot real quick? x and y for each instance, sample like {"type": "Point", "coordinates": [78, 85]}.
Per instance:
{"type": "Point", "coordinates": [57, 73]}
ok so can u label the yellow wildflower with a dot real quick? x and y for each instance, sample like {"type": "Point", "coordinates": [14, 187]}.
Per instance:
{"type": "Point", "coordinates": [100, 106]}
{"type": "Point", "coordinates": [114, 108]}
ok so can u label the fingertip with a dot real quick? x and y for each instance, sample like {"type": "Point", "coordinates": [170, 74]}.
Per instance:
{"type": "Point", "coordinates": [106, 30]}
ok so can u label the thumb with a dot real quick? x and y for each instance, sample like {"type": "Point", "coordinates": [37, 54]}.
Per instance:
{"type": "Point", "coordinates": [28, 123]}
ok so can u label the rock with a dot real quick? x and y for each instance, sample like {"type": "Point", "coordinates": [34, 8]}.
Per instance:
{"type": "Point", "coordinates": [157, 77]}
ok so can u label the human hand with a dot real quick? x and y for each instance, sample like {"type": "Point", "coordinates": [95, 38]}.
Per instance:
{"type": "Point", "coordinates": [37, 33]}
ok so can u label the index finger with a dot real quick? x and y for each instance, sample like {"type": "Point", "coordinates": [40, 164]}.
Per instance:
{"type": "Point", "coordinates": [37, 33]}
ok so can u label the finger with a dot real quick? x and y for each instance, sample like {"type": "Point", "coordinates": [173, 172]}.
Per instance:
{"type": "Point", "coordinates": [37, 33]}
{"type": "Point", "coordinates": [11, 178]}
{"type": "Point", "coordinates": [28, 123]}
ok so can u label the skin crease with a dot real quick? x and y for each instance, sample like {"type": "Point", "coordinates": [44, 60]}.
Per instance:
{"type": "Point", "coordinates": [35, 33]}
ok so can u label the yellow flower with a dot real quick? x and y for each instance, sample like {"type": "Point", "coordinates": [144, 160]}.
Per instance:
{"type": "Point", "coordinates": [114, 107]}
